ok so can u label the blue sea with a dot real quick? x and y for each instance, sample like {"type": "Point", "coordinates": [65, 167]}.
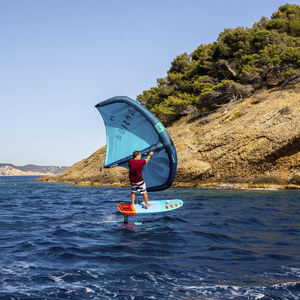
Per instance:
{"type": "Point", "coordinates": [60, 241]}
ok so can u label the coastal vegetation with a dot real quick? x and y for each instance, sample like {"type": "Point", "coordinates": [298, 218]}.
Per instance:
{"type": "Point", "coordinates": [241, 62]}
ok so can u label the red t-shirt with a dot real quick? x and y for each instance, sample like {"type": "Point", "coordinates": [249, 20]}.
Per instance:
{"type": "Point", "coordinates": [135, 170]}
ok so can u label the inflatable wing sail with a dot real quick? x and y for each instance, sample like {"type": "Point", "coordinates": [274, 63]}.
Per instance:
{"type": "Point", "coordinates": [131, 127]}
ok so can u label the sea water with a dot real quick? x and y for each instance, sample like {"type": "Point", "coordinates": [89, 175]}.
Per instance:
{"type": "Point", "coordinates": [60, 241]}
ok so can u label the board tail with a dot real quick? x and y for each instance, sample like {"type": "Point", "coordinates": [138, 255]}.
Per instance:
{"type": "Point", "coordinates": [126, 209]}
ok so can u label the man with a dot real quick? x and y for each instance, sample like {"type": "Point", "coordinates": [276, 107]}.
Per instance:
{"type": "Point", "coordinates": [135, 176]}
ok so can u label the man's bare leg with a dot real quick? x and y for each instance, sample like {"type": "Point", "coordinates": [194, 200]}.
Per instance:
{"type": "Point", "coordinates": [145, 195]}
{"type": "Point", "coordinates": [132, 198]}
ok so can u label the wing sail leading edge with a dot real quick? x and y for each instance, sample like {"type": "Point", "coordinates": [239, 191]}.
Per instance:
{"type": "Point", "coordinates": [130, 127]}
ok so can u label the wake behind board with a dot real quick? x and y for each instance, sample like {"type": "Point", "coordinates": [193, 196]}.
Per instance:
{"type": "Point", "coordinates": [156, 206]}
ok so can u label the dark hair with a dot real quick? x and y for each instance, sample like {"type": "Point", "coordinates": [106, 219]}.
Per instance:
{"type": "Point", "coordinates": [136, 153]}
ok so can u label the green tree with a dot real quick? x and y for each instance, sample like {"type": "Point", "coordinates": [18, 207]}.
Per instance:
{"type": "Point", "coordinates": [240, 61]}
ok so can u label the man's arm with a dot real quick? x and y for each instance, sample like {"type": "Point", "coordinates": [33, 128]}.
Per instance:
{"type": "Point", "coordinates": [149, 156]}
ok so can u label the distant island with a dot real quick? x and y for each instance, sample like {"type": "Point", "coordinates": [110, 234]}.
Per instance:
{"type": "Point", "coordinates": [7, 169]}
{"type": "Point", "coordinates": [232, 108]}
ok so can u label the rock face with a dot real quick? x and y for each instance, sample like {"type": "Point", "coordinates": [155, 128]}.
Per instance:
{"type": "Point", "coordinates": [255, 141]}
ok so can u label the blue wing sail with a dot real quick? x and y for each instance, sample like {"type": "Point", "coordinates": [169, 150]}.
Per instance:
{"type": "Point", "coordinates": [130, 127]}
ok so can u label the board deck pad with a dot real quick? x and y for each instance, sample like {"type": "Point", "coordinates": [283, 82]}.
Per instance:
{"type": "Point", "coordinates": [156, 207]}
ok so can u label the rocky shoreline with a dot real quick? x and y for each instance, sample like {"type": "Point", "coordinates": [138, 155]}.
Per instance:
{"type": "Point", "coordinates": [209, 185]}
{"type": "Point", "coordinates": [253, 143]}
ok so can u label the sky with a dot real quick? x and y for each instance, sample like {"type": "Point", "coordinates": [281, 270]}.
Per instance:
{"type": "Point", "coordinates": [59, 58]}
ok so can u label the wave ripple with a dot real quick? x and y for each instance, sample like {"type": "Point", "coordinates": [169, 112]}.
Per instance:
{"type": "Point", "coordinates": [65, 242]}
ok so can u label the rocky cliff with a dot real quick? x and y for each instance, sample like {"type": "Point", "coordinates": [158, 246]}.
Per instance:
{"type": "Point", "coordinates": [251, 143]}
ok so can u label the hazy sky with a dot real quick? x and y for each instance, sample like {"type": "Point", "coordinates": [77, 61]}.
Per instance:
{"type": "Point", "coordinates": [58, 58]}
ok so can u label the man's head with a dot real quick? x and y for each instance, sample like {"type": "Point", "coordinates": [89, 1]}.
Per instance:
{"type": "Point", "coordinates": [136, 154]}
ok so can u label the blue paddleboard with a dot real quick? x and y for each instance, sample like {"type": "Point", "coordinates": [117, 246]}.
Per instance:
{"type": "Point", "coordinates": [156, 206]}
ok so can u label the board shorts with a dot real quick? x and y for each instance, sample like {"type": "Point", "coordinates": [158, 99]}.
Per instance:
{"type": "Point", "coordinates": [138, 187]}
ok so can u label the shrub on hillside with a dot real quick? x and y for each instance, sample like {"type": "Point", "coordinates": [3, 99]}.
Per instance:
{"type": "Point", "coordinates": [241, 61]}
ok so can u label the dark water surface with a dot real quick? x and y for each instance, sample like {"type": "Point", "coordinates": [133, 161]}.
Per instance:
{"type": "Point", "coordinates": [60, 241]}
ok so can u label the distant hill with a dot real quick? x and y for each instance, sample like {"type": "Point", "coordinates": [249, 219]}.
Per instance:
{"type": "Point", "coordinates": [7, 169]}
